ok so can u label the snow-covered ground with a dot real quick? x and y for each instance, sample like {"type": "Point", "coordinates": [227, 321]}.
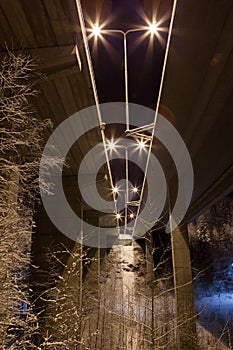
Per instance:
{"type": "Point", "coordinates": [118, 297]}
{"type": "Point", "coordinates": [216, 315]}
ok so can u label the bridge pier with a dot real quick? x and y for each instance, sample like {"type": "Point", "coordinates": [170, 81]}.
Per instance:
{"type": "Point", "coordinates": [185, 315]}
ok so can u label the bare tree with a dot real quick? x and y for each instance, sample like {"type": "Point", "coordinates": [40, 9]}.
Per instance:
{"type": "Point", "coordinates": [21, 144]}
{"type": "Point", "coordinates": [117, 306]}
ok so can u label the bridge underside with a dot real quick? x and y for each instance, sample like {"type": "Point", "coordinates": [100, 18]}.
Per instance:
{"type": "Point", "coordinates": [196, 99]}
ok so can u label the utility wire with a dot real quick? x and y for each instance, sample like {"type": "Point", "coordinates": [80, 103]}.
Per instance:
{"type": "Point", "coordinates": [157, 104]}
{"type": "Point", "coordinates": [96, 98]}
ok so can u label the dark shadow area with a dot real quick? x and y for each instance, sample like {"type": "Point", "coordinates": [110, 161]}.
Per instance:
{"type": "Point", "coordinates": [212, 262]}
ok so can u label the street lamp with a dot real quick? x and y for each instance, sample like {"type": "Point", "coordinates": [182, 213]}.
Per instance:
{"type": "Point", "coordinates": [151, 29]}
{"type": "Point", "coordinates": [134, 189]}
{"type": "Point", "coordinates": [141, 144]}
{"type": "Point", "coordinates": [111, 145]}
{"type": "Point", "coordinates": [118, 216]}
{"type": "Point", "coordinates": [97, 31]}
{"type": "Point", "coordinates": [115, 190]}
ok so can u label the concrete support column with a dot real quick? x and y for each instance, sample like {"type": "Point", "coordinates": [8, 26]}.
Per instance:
{"type": "Point", "coordinates": [185, 315]}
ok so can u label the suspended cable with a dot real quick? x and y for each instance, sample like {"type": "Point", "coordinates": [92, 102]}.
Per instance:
{"type": "Point", "coordinates": [96, 98]}
{"type": "Point", "coordinates": [157, 104]}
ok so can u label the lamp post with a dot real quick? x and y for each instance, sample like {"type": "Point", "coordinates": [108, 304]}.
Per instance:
{"type": "Point", "coordinates": [97, 31]}
{"type": "Point", "coordinates": [124, 34]}
{"type": "Point", "coordinates": [111, 146]}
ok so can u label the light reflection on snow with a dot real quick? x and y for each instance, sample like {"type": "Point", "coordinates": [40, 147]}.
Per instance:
{"type": "Point", "coordinates": [216, 314]}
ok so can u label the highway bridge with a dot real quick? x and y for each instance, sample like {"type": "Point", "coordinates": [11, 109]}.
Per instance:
{"type": "Point", "coordinates": [182, 71]}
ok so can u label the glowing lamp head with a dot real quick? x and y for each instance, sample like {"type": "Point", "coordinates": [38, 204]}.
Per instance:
{"type": "Point", "coordinates": [96, 30]}
{"type": "Point", "coordinates": [131, 216]}
{"type": "Point", "coordinates": [153, 28]}
{"type": "Point", "coordinates": [141, 144]}
{"type": "Point", "coordinates": [111, 145]}
{"type": "Point", "coordinates": [115, 190]}
{"type": "Point", "coordinates": [135, 190]}
{"type": "Point", "coordinates": [118, 216]}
